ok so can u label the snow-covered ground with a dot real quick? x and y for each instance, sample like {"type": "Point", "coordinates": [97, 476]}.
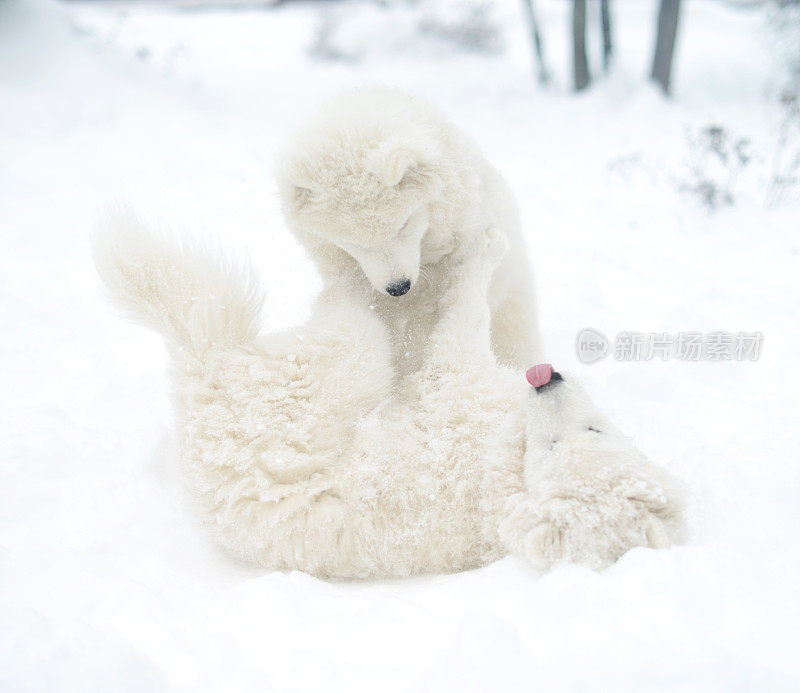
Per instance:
{"type": "Point", "coordinates": [107, 582]}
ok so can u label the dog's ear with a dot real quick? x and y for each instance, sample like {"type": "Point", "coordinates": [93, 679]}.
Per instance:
{"type": "Point", "coordinates": [298, 196]}
{"type": "Point", "coordinates": [293, 191]}
{"type": "Point", "coordinates": [390, 161]}
{"type": "Point", "coordinates": [294, 183]}
{"type": "Point", "coordinates": [394, 160]}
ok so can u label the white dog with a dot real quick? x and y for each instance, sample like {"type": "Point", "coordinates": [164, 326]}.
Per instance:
{"type": "Point", "coordinates": [310, 453]}
{"type": "Point", "coordinates": [380, 179]}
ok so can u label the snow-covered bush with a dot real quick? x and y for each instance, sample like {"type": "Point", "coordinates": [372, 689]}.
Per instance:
{"type": "Point", "coordinates": [716, 158]}
{"type": "Point", "coordinates": [365, 30]}
{"type": "Point", "coordinates": [467, 25]}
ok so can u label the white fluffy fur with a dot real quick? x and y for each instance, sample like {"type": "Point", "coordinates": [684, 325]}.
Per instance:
{"type": "Point", "coordinates": [312, 450]}
{"type": "Point", "coordinates": [379, 179]}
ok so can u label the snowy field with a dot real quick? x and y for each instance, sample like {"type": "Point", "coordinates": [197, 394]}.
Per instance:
{"type": "Point", "coordinates": [107, 581]}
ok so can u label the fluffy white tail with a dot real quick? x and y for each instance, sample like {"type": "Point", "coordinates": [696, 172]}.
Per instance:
{"type": "Point", "coordinates": [193, 293]}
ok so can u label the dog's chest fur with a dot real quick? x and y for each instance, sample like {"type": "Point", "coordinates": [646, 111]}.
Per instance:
{"type": "Point", "coordinates": [410, 319]}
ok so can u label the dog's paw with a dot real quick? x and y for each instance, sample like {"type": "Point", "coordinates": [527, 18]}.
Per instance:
{"type": "Point", "coordinates": [593, 519]}
{"type": "Point", "coordinates": [595, 533]}
{"type": "Point", "coordinates": [543, 545]}
{"type": "Point", "coordinates": [486, 248]}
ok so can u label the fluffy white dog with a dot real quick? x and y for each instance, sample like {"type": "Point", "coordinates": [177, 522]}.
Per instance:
{"type": "Point", "coordinates": [310, 452]}
{"type": "Point", "coordinates": [380, 179]}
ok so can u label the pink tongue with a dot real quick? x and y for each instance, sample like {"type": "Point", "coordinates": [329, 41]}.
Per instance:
{"type": "Point", "coordinates": [539, 375]}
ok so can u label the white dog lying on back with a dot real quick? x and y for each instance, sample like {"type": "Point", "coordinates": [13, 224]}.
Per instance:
{"type": "Point", "coordinates": [306, 456]}
{"type": "Point", "coordinates": [387, 441]}
{"type": "Point", "coordinates": [379, 179]}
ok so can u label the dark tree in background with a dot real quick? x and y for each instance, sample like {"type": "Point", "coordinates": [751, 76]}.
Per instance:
{"type": "Point", "coordinates": [665, 42]}
{"type": "Point", "coordinates": [580, 63]}
{"type": "Point", "coordinates": [666, 32]}
{"type": "Point", "coordinates": [605, 18]}
{"type": "Point", "coordinates": [536, 38]}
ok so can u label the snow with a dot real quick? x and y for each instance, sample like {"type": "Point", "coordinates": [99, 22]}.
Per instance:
{"type": "Point", "coordinates": [109, 582]}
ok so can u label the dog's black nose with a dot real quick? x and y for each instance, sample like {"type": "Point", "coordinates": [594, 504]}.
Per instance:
{"type": "Point", "coordinates": [399, 287]}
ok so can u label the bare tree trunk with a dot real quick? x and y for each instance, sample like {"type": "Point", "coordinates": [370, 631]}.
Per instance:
{"type": "Point", "coordinates": [580, 64]}
{"type": "Point", "coordinates": [536, 38]}
{"type": "Point", "coordinates": [608, 48]}
{"type": "Point", "coordinates": [665, 42]}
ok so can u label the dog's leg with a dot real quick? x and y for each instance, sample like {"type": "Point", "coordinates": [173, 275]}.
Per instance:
{"type": "Point", "coordinates": [591, 496]}
{"type": "Point", "coordinates": [515, 338]}
{"type": "Point", "coordinates": [460, 340]}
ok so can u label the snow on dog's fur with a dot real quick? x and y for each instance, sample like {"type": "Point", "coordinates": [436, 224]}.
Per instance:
{"type": "Point", "coordinates": [379, 179]}
{"type": "Point", "coordinates": [306, 454]}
